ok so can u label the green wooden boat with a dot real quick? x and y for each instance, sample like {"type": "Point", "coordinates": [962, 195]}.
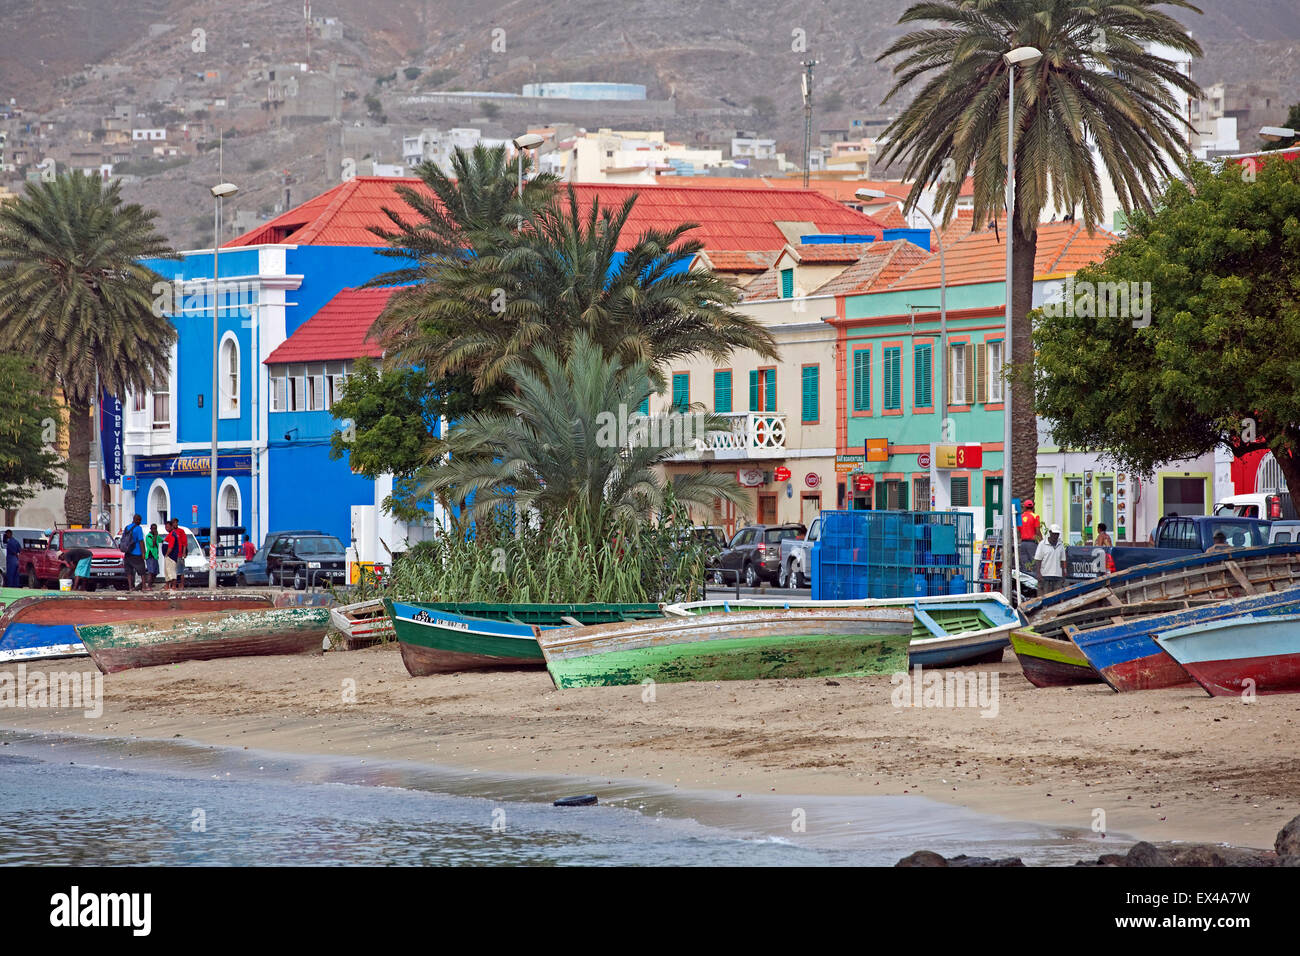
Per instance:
{"type": "Point", "coordinates": [123, 645]}
{"type": "Point", "coordinates": [742, 645]}
{"type": "Point", "coordinates": [447, 637]}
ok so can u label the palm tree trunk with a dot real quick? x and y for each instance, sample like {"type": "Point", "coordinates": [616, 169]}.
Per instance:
{"type": "Point", "coordinates": [1024, 426]}
{"type": "Point", "coordinates": [77, 499]}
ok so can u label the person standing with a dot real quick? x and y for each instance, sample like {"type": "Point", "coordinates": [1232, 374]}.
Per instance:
{"type": "Point", "coordinates": [249, 549]}
{"type": "Point", "coordinates": [12, 547]}
{"type": "Point", "coordinates": [179, 551]}
{"type": "Point", "coordinates": [151, 543]}
{"type": "Point", "coordinates": [168, 562]}
{"type": "Point", "coordinates": [1050, 556]}
{"type": "Point", "coordinates": [1029, 528]}
{"type": "Point", "coordinates": [133, 553]}
{"type": "Point", "coordinates": [1103, 538]}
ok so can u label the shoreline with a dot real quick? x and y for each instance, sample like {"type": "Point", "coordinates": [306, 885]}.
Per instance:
{"type": "Point", "coordinates": [1170, 765]}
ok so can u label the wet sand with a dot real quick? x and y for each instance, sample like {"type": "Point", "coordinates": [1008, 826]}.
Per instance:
{"type": "Point", "coordinates": [1161, 765]}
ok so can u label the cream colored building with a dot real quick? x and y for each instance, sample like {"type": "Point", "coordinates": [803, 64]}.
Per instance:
{"type": "Point", "coordinates": [630, 156]}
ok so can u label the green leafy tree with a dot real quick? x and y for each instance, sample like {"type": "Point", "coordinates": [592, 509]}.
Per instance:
{"type": "Point", "coordinates": [28, 428]}
{"type": "Point", "coordinates": [556, 448]}
{"type": "Point", "coordinates": [1096, 88]}
{"type": "Point", "coordinates": [73, 292]}
{"type": "Point", "coordinates": [1219, 361]}
{"type": "Point", "coordinates": [559, 276]}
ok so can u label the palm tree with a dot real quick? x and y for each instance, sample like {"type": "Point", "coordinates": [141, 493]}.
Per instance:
{"type": "Point", "coordinates": [561, 275]}
{"type": "Point", "coordinates": [555, 447]}
{"type": "Point", "coordinates": [476, 207]}
{"type": "Point", "coordinates": [1097, 88]}
{"type": "Point", "coordinates": [74, 295]}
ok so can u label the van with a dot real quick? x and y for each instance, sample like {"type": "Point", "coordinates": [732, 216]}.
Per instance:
{"type": "Point", "coordinates": [1284, 532]}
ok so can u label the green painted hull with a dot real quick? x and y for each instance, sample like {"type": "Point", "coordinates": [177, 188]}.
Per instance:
{"type": "Point", "coordinates": [739, 646]}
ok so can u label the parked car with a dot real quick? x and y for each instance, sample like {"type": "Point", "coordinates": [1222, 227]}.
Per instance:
{"type": "Point", "coordinates": [252, 573]}
{"type": "Point", "coordinates": [307, 559]}
{"type": "Point", "coordinates": [230, 552]}
{"type": "Point", "coordinates": [41, 562]}
{"type": "Point", "coordinates": [1284, 532]}
{"type": "Point", "coordinates": [1174, 538]}
{"type": "Point", "coordinates": [754, 554]}
{"type": "Point", "coordinates": [796, 558]}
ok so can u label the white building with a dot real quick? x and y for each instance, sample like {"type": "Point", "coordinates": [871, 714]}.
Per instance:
{"type": "Point", "coordinates": [437, 146]}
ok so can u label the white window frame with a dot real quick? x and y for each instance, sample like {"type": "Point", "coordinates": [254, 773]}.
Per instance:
{"type": "Point", "coordinates": [155, 423]}
{"type": "Point", "coordinates": [995, 371]}
{"type": "Point", "coordinates": [231, 381]}
{"type": "Point", "coordinates": [958, 396]}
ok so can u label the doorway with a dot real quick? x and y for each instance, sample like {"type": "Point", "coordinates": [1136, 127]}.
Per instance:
{"type": "Point", "coordinates": [992, 503]}
{"type": "Point", "coordinates": [767, 509]}
{"type": "Point", "coordinates": [810, 505]}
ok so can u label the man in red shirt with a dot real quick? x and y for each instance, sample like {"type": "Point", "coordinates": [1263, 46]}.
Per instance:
{"type": "Point", "coordinates": [249, 550]}
{"type": "Point", "coordinates": [1029, 526]}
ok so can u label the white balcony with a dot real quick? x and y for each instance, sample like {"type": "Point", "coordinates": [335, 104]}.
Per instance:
{"type": "Point", "coordinates": [751, 435]}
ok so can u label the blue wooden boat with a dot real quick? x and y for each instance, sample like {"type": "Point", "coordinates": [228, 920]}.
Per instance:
{"type": "Point", "coordinates": [32, 642]}
{"type": "Point", "coordinates": [1199, 576]}
{"type": "Point", "coordinates": [1127, 656]}
{"type": "Point", "coordinates": [1227, 657]}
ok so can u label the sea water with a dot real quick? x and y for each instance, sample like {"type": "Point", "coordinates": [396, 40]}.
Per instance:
{"type": "Point", "coordinates": [85, 801]}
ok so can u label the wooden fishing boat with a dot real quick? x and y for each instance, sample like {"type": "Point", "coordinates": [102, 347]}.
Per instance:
{"type": "Point", "coordinates": [362, 625]}
{"type": "Point", "coordinates": [1049, 658]}
{"type": "Point", "coordinates": [1199, 577]}
{"type": "Point", "coordinates": [448, 637]}
{"type": "Point", "coordinates": [1128, 658]}
{"type": "Point", "coordinates": [123, 645]}
{"type": "Point", "coordinates": [1227, 657]}
{"type": "Point", "coordinates": [43, 625]}
{"type": "Point", "coordinates": [741, 645]}
{"type": "Point", "coordinates": [948, 630]}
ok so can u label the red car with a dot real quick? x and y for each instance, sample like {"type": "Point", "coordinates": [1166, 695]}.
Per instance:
{"type": "Point", "coordinates": [42, 563]}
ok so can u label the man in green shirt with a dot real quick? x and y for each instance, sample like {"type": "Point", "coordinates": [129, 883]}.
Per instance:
{"type": "Point", "coordinates": [152, 541]}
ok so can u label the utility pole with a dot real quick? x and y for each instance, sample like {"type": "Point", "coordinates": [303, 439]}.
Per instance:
{"type": "Point", "coordinates": [806, 81]}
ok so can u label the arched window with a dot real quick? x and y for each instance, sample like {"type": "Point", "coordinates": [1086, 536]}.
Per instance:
{"type": "Point", "coordinates": [229, 511]}
{"type": "Point", "coordinates": [159, 503]}
{"type": "Point", "coordinates": [229, 376]}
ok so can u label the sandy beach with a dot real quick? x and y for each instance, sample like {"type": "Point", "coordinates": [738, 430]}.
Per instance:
{"type": "Point", "coordinates": [1162, 765]}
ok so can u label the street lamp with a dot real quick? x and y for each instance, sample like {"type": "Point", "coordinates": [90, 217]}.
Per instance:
{"type": "Point", "coordinates": [1025, 56]}
{"type": "Point", "coordinates": [866, 193]}
{"type": "Point", "coordinates": [526, 141]}
{"type": "Point", "coordinates": [219, 192]}
{"type": "Point", "coordinates": [1275, 133]}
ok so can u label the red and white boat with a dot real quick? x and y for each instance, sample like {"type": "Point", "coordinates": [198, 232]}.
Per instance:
{"type": "Point", "coordinates": [1259, 654]}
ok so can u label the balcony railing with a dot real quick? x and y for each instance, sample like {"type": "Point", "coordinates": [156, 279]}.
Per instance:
{"type": "Point", "coordinates": [751, 435]}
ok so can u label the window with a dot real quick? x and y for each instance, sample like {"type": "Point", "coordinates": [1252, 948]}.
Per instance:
{"type": "Point", "coordinates": [811, 405]}
{"type": "Point", "coordinates": [893, 378]}
{"type": "Point", "coordinates": [922, 377]}
{"type": "Point", "coordinates": [958, 367]}
{"type": "Point", "coordinates": [995, 373]}
{"type": "Point", "coordinates": [862, 380]}
{"type": "Point", "coordinates": [787, 283]}
{"type": "Point", "coordinates": [762, 390]}
{"type": "Point", "coordinates": [960, 489]}
{"type": "Point", "coordinates": [162, 401]}
{"type": "Point", "coordinates": [308, 388]}
{"type": "Point", "coordinates": [229, 377]}
{"type": "Point", "coordinates": [722, 391]}
{"type": "Point", "coordinates": [681, 391]}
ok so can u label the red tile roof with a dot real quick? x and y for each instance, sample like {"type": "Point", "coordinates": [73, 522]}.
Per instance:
{"type": "Point", "coordinates": [733, 260]}
{"type": "Point", "coordinates": [729, 217]}
{"type": "Point", "coordinates": [973, 257]}
{"type": "Point", "coordinates": [828, 254]}
{"type": "Point", "coordinates": [881, 264]}
{"type": "Point", "coordinates": [338, 331]}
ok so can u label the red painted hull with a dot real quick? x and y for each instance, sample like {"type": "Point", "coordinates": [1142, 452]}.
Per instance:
{"type": "Point", "coordinates": [111, 660]}
{"type": "Point", "coordinates": [1146, 673]}
{"type": "Point", "coordinates": [1046, 673]}
{"type": "Point", "coordinates": [110, 608]}
{"type": "Point", "coordinates": [423, 661]}
{"type": "Point", "coordinates": [1275, 674]}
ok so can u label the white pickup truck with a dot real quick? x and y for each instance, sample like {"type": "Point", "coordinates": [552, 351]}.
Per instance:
{"type": "Point", "coordinates": [796, 558]}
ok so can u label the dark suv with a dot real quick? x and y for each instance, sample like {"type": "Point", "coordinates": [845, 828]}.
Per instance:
{"type": "Point", "coordinates": [754, 554]}
{"type": "Point", "coordinates": [307, 559]}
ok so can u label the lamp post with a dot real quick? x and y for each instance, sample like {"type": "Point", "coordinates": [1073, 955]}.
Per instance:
{"type": "Point", "coordinates": [527, 141]}
{"type": "Point", "coordinates": [1025, 56]}
{"type": "Point", "coordinates": [943, 302]}
{"type": "Point", "coordinates": [219, 192]}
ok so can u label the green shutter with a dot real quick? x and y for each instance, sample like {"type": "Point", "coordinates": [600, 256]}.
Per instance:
{"type": "Point", "coordinates": [787, 283]}
{"type": "Point", "coordinates": [770, 375]}
{"type": "Point", "coordinates": [753, 391]}
{"type": "Point", "coordinates": [862, 380]}
{"type": "Point", "coordinates": [811, 404]}
{"type": "Point", "coordinates": [681, 390]}
{"type": "Point", "coordinates": [923, 376]}
{"type": "Point", "coordinates": [893, 376]}
{"type": "Point", "coordinates": [721, 392]}
{"type": "Point", "coordinates": [644, 407]}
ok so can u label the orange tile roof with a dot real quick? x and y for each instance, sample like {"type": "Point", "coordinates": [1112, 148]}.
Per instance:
{"type": "Point", "coordinates": [831, 253]}
{"type": "Point", "coordinates": [891, 217]}
{"type": "Point", "coordinates": [730, 217]}
{"type": "Point", "coordinates": [739, 260]}
{"type": "Point", "coordinates": [974, 257]}
{"type": "Point", "coordinates": [881, 264]}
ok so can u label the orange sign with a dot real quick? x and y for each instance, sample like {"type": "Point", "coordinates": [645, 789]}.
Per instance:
{"type": "Point", "coordinates": [877, 449]}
